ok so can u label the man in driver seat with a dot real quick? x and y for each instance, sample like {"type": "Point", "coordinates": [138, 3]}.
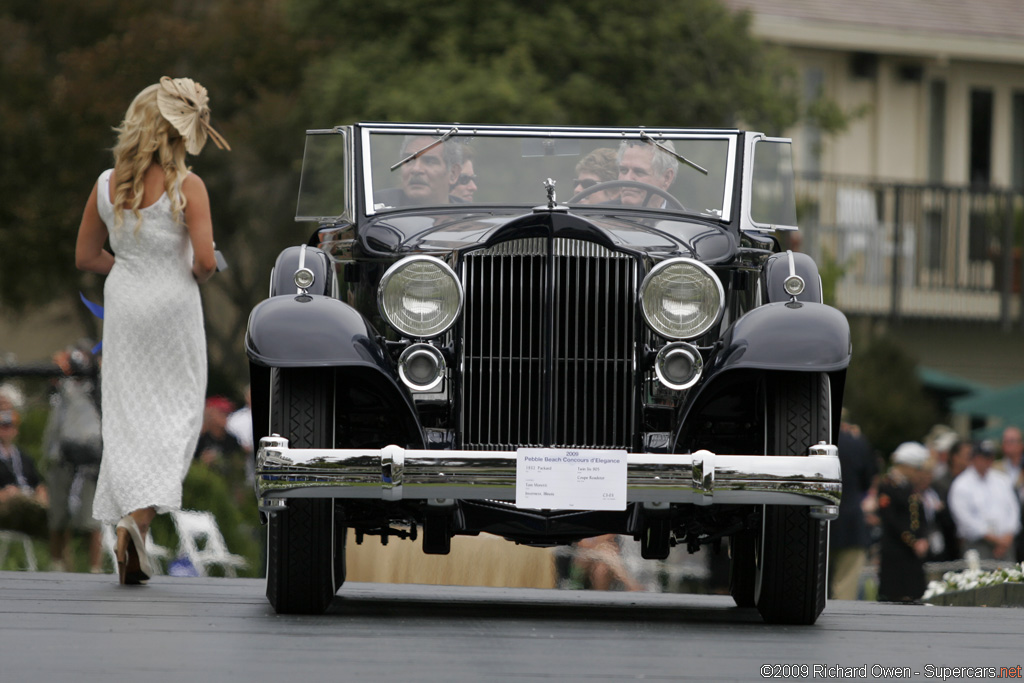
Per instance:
{"type": "Point", "coordinates": [641, 162]}
{"type": "Point", "coordinates": [427, 177]}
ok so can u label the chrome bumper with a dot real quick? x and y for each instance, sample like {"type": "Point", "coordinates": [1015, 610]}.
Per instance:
{"type": "Point", "coordinates": [394, 473]}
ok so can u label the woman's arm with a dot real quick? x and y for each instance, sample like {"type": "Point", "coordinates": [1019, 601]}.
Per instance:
{"type": "Point", "coordinates": [90, 254]}
{"type": "Point", "coordinates": [200, 227]}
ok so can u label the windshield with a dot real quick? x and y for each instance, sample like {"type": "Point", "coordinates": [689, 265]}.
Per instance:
{"type": "Point", "coordinates": [659, 170]}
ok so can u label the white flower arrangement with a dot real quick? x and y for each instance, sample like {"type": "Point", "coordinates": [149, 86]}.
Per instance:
{"type": "Point", "coordinates": [974, 577]}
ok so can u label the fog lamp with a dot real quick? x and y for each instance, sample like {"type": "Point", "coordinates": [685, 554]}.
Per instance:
{"type": "Point", "coordinates": [421, 367]}
{"type": "Point", "coordinates": [678, 366]}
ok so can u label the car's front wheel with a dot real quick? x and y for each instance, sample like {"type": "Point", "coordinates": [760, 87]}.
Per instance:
{"type": "Point", "coordinates": [791, 550]}
{"type": "Point", "coordinates": [305, 548]}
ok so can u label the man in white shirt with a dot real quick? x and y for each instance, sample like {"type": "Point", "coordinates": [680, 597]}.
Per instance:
{"type": "Point", "coordinates": [985, 507]}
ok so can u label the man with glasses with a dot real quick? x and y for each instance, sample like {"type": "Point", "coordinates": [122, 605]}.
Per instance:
{"type": "Point", "coordinates": [600, 166]}
{"type": "Point", "coordinates": [465, 185]}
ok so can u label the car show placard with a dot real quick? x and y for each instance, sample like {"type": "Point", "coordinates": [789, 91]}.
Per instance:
{"type": "Point", "coordinates": [570, 479]}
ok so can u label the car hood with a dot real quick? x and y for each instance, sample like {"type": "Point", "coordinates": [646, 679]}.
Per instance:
{"type": "Point", "coordinates": [643, 234]}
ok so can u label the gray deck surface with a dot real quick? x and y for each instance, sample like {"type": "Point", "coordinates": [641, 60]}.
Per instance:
{"type": "Point", "coordinates": [84, 627]}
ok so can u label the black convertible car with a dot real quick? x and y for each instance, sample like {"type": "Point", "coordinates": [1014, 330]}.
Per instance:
{"type": "Point", "coordinates": [548, 334]}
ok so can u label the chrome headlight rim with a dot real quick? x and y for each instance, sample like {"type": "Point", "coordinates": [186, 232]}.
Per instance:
{"type": "Point", "coordinates": [794, 285]}
{"type": "Point", "coordinates": [708, 324]}
{"type": "Point", "coordinates": [303, 278]}
{"type": "Point", "coordinates": [675, 348]}
{"type": "Point", "coordinates": [409, 354]}
{"type": "Point", "coordinates": [400, 265]}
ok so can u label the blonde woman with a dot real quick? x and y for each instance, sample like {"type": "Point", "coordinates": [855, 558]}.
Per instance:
{"type": "Point", "coordinates": [156, 215]}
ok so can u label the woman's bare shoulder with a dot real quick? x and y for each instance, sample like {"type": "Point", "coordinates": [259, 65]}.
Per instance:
{"type": "Point", "coordinates": [193, 184]}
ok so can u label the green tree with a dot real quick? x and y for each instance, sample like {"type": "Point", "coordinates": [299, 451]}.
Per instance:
{"type": "Point", "coordinates": [885, 397]}
{"type": "Point", "coordinates": [71, 68]}
{"type": "Point", "coordinates": [597, 62]}
{"type": "Point", "coordinates": [277, 67]}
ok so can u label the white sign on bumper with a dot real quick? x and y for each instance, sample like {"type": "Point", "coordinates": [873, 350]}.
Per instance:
{"type": "Point", "coordinates": [570, 479]}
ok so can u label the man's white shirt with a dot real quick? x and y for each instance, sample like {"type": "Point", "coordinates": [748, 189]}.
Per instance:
{"type": "Point", "coordinates": [983, 506]}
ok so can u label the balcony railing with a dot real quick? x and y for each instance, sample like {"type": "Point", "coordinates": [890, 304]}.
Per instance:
{"type": "Point", "coordinates": [915, 251]}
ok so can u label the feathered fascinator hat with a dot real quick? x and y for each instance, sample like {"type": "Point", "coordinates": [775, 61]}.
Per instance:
{"type": "Point", "coordinates": [185, 104]}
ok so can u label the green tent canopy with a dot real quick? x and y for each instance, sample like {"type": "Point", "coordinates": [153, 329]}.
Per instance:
{"type": "Point", "coordinates": [999, 407]}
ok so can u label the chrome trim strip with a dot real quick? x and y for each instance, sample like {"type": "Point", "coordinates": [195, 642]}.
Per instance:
{"type": "Point", "coordinates": [828, 513]}
{"type": "Point", "coordinates": [394, 473]}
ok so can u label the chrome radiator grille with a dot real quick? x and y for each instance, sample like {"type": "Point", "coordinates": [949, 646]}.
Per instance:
{"type": "Point", "coordinates": [508, 400]}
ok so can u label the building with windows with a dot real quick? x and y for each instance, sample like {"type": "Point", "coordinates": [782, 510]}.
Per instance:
{"type": "Point", "coordinates": [919, 203]}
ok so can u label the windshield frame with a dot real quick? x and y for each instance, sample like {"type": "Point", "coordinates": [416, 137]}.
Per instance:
{"type": "Point", "coordinates": [347, 208]}
{"type": "Point", "coordinates": [367, 130]}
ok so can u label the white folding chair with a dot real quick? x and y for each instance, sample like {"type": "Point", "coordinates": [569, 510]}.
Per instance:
{"type": "Point", "coordinates": [8, 537]}
{"type": "Point", "coordinates": [200, 540]}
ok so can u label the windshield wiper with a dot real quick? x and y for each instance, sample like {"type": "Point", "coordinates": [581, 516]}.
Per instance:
{"type": "Point", "coordinates": [651, 141]}
{"type": "Point", "coordinates": [426, 149]}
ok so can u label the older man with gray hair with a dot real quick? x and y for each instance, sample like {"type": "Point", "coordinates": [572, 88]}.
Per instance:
{"type": "Point", "coordinates": [429, 169]}
{"type": "Point", "coordinates": [642, 162]}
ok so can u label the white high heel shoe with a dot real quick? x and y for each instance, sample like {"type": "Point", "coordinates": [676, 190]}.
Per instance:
{"type": "Point", "coordinates": [132, 561]}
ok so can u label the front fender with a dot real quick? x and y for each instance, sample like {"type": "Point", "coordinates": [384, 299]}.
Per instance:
{"type": "Point", "coordinates": [782, 337]}
{"type": "Point", "coordinates": [307, 331]}
{"type": "Point", "coordinates": [777, 269]}
{"type": "Point", "coordinates": [318, 331]}
{"type": "Point", "coordinates": [325, 278]}
{"type": "Point", "coordinates": [795, 335]}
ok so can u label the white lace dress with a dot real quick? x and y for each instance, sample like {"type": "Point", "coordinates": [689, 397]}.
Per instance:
{"type": "Point", "coordinates": [154, 362]}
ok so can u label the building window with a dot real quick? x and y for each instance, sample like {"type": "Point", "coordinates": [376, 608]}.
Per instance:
{"type": "Point", "coordinates": [937, 132]}
{"type": "Point", "coordinates": [980, 170]}
{"type": "Point", "coordinates": [1017, 153]}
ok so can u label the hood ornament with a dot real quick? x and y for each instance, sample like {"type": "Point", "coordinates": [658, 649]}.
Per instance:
{"type": "Point", "coordinates": [549, 185]}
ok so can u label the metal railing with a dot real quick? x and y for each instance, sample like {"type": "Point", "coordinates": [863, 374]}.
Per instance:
{"type": "Point", "coordinates": [901, 250]}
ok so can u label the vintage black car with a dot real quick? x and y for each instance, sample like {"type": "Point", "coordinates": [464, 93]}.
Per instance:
{"type": "Point", "coordinates": [547, 334]}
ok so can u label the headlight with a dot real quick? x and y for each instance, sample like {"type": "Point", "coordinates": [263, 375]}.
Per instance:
{"type": "Point", "coordinates": [420, 296]}
{"type": "Point", "coordinates": [681, 298]}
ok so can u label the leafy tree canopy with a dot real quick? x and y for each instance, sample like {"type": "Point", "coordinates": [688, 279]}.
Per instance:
{"type": "Point", "coordinates": [574, 62]}
{"type": "Point", "coordinates": [885, 397]}
{"type": "Point", "coordinates": [276, 67]}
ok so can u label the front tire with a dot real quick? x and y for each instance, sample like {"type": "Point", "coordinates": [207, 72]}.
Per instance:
{"type": "Point", "coordinates": [305, 550]}
{"type": "Point", "coordinates": [792, 550]}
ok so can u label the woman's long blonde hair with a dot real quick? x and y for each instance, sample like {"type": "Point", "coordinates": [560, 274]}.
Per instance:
{"type": "Point", "coordinates": [145, 137]}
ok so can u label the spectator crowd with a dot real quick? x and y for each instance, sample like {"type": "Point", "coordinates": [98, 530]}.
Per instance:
{"type": "Point", "coordinates": [50, 497]}
{"type": "Point", "coordinates": [938, 500]}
